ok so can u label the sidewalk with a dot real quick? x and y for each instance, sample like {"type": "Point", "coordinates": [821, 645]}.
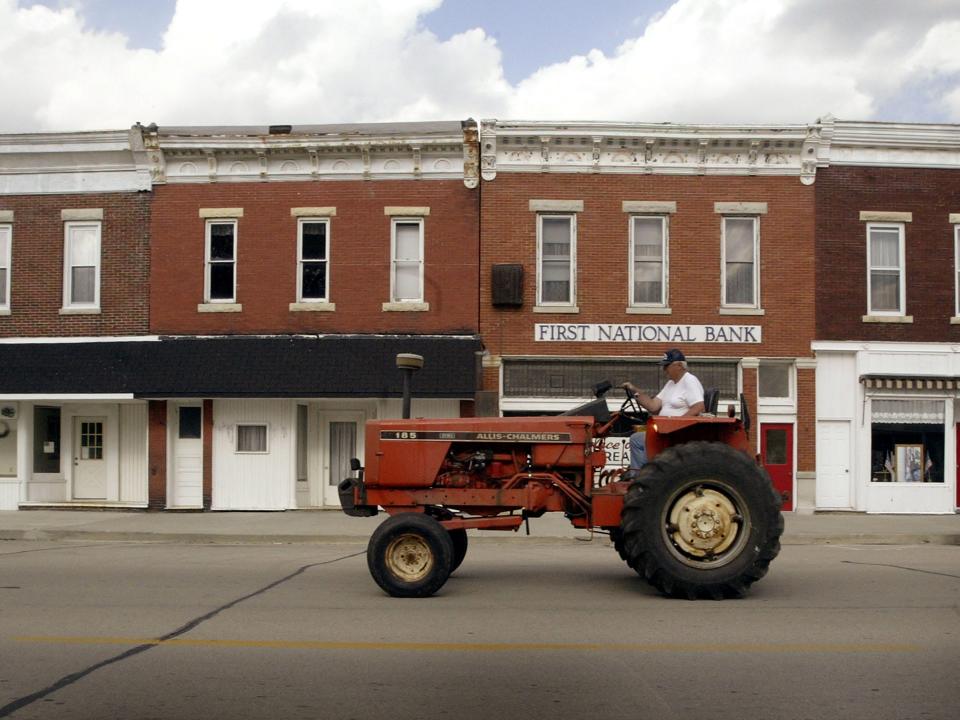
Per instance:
{"type": "Point", "coordinates": [332, 526]}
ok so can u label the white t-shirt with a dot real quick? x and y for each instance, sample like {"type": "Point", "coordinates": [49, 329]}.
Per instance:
{"type": "Point", "coordinates": [678, 397]}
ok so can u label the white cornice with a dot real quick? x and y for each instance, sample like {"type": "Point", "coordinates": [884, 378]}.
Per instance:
{"type": "Point", "coordinates": [882, 144]}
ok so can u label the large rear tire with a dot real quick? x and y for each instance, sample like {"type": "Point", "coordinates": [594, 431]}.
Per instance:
{"type": "Point", "coordinates": [410, 555]}
{"type": "Point", "coordinates": [701, 520]}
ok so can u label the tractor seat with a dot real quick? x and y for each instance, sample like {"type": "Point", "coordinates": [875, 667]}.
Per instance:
{"type": "Point", "coordinates": [711, 398]}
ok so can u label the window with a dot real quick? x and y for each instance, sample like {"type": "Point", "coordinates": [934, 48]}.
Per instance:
{"type": "Point", "coordinates": [741, 248]}
{"type": "Point", "coordinates": [406, 277]}
{"type": "Point", "coordinates": [885, 287]}
{"type": "Point", "coordinates": [191, 423]}
{"type": "Point", "coordinates": [81, 283]}
{"type": "Point", "coordinates": [648, 260]}
{"type": "Point", "coordinates": [775, 381]}
{"type": "Point", "coordinates": [302, 443]}
{"type": "Point", "coordinates": [907, 440]}
{"type": "Point", "coordinates": [313, 239]}
{"type": "Point", "coordinates": [46, 439]}
{"type": "Point", "coordinates": [956, 268]}
{"type": "Point", "coordinates": [556, 259]}
{"type": "Point", "coordinates": [6, 241]}
{"type": "Point", "coordinates": [251, 438]}
{"type": "Point", "coordinates": [221, 275]}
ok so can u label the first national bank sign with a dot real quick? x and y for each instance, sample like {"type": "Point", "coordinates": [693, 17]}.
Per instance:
{"type": "Point", "coordinates": [637, 333]}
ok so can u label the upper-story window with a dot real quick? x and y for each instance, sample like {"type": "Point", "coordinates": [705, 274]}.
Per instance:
{"type": "Point", "coordinates": [221, 261]}
{"type": "Point", "coordinates": [556, 259]}
{"type": "Point", "coordinates": [741, 254]}
{"type": "Point", "coordinates": [886, 294]}
{"type": "Point", "coordinates": [6, 246]}
{"type": "Point", "coordinates": [313, 270]}
{"type": "Point", "coordinates": [956, 268]}
{"type": "Point", "coordinates": [81, 281]}
{"type": "Point", "coordinates": [648, 260]}
{"type": "Point", "coordinates": [406, 276]}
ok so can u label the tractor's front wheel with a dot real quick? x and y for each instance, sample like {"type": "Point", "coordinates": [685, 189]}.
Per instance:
{"type": "Point", "coordinates": [410, 555]}
{"type": "Point", "coordinates": [701, 520]}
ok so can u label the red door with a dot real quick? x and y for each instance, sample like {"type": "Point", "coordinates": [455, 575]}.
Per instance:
{"type": "Point", "coordinates": [776, 454]}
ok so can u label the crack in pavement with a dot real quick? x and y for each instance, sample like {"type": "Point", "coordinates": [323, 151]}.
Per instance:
{"type": "Point", "coordinates": [70, 679]}
{"type": "Point", "coordinates": [901, 567]}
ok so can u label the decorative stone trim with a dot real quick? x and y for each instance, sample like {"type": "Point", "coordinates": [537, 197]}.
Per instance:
{"type": "Point", "coordinates": [881, 216]}
{"type": "Point", "coordinates": [312, 307]}
{"type": "Point", "coordinates": [806, 363]}
{"type": "Point", "coordinates": [954, 218]}
{"type": "Point", "coordinates": [750, 363]}
{"type": "Point", "coordinates": [217, 213]}
{"type": "Point", "coordinates": [904, 319]}
{"type": "Point", "coordinates": [659, 207]}
{"type": "Point", "coordinates": [558, 309]}
{"type": "Point", "coordinates": [491, 361]}
{"type": "Point", "coordinates": [82, 214]}
{"type": "Point", "coordinates": [806, 475]}
{"type": "Point", "coordinates": [405, 307]}
{"type": "Point", "coordinates": [741, 311]}
{"type": "Point", "coordinates": [219, 307]}
{"type": "Point", "coordinates": [556, 206]}
{"type": "Point", "coordinates": [740, 208]}
{"type": "Point", "coordinates": [635, 310]}
{"type": "Point", "coordinates": [909, 383]}
{"type": "Point", "coordinates": [6, 215]}
{"type": "Point", "coordinates": [4, 311]}
{"type": "Point", "coordinates": [79, 311]}
{"type": "Point", "coordinates": [399, 210]}
{"type": "Point", "coordinates": [955, 320]}
{"type": "Point", "coordinates": [313, 212]}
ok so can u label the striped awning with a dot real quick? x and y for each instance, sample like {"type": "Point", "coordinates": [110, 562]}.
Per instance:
{"type": "Point", "coordinates": [887, 382]}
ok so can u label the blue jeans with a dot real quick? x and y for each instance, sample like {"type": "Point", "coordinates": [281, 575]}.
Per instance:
{"type": "Point", "coordinates": [638, 450]}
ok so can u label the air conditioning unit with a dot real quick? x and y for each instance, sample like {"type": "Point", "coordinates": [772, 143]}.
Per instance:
{"type": "Point", "coordinates": [8, 411]}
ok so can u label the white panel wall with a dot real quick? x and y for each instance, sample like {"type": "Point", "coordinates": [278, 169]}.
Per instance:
{"type": "Point", "coordinates": [420, 407]}
{"type": "Point", "coordinates": [133, 453]}
{"type": "Point", "coordinates": [247, 481]}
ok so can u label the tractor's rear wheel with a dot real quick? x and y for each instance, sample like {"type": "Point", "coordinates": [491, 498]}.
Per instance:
{"type": "Point", "coordinates": [459, 539]}
{"type": "Point", "coordinates": [701, 520]}
{"type": "Point", "coordinates": [410, 555]}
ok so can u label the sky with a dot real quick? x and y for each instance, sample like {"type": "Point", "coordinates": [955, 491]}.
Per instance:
{"type": "Point", "coordinates": [105, 64]}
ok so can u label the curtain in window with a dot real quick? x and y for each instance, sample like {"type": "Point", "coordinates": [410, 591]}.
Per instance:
{"type": "Point", "coordinates": [918, 410]}
{"type": "Point", "coordinates": [4, 270]}
{"type": "Point", "coordinates": [555, 257]}
{"type": "Point", "coordinates": [251, 438]}
{"type": "Point", "coordinates": [885, 269]}
{"type": "Point", "coordinates": [343, 446]}
{"type": "Point", "coordinates": [84, 254]}
{"type": "Point", "coordinates": [406, 282]}
{"type": "Point", "coordinates": [739, 254]}
{"type": "Point", "coordinates": [648, 260]}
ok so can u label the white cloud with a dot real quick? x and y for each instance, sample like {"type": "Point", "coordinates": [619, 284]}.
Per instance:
{"type": "Point", "coordinates": [321, 61]}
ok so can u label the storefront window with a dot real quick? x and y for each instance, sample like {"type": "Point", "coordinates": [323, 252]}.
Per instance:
{"type": "Point", "coordinates": [907, 441]}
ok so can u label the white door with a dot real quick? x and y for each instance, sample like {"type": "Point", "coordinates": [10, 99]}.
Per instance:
{"type": "Point", "coordinates": [833, 464]}
{"type": "Point", "coordinates": [341, 438]}
{"type": "Point", "coordinates": [89, 463]}
{"type": "Point", "coordinates": [187, 486]}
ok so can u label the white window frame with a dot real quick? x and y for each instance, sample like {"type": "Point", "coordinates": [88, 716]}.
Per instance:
{"type": "Point", "coordinates": [756, 262]}
{"type": "Point", "coordinates": [6, 262]}
{"type": "Point", "coordinates": [68, 275]}
{"type": "Point", "coordinates": [266, 443]}
{"type": "Point", "coordinates": [902, 269]}
{"type": "Point", "coordinates": [956, 269]}
{"type": "Point", "coordinates": [788, 401]}
{"type": "Point", "coordinates": [664, 264]}
{"type": "Point", "coordinates": [326, 283]}
{"type": "Point", "coordinates": [393, 257]}
{"type": "Point", "coordinates": [572, 299]}
{"type": "Point", "coordinates": [208, 262]}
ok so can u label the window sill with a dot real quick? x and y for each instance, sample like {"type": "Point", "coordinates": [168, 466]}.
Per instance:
{"type": "Point", "coordinates": [4, 311]}
{"type": "Point", "coordinates": [312, 307]}
{"type": "Point", "coordinates": [953, 321]}
{"type": "Point", "coordinates": [639, 310]}
{"type": "Point", "coordinates": [80, 311]}
{"type": "Point", "coordinates": [558, 309]}
{"type": "Point", "coordinates": [903, 319]}
{"type": "Point", "coordinates": [405, 306]}
{"type": "Point", "coordinates": [219, 307]}
{"type": "Point", "coordinates": [741, 311]}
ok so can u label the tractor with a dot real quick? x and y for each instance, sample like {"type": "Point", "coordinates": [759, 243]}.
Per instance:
{"type": "Point", "coordinates": [700, 519]}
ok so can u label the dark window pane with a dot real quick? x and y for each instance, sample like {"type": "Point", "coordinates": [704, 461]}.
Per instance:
{"type": "Point", "coordinates": [774, 380]}
{"type": "Point", "coordinates": [83, 285]}
{"type": "Point", "coordinates": [221, 281]}
{"type": "Point", "coordinates": [46, 440]}
{"type": "Point", "coordinates": [314, 243]}
{"type": "Point", "coordinates": [776, 447]}
{"type": "Point", "coordinates": [190, 418]}
{"type": "Point", "coordinates": [221, 242]}
{"type": "Point", "coordinates": [314, 286]}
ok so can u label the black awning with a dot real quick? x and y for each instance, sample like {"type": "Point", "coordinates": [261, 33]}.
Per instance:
{"type": "Point", "coordinates": [275, 366]}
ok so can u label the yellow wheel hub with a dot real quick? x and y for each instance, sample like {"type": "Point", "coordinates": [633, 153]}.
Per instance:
{"type": "Point", "coordinates": [703, 523]}
{"type": "Point", "coordinates": [409, 557]}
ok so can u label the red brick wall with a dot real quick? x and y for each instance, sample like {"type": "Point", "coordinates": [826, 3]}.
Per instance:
{"type": "Point", "coordinates": [359, 257]}
{"type": "Point", "coordinates": [786, 260]}
{"type": "Point", "coordinates": [37, 266]}
{"type": "Point", "coordinates": [841, 246]}
{"type": "Point", "coordinates": [806, 420]}
{"type": "Point", "coordinates": [157, 454]}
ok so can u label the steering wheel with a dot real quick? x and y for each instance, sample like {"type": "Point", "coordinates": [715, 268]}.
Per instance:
{"type": "Point", "coordinates": [631, 408]}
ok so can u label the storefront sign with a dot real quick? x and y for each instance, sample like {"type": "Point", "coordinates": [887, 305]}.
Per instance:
{"type": "Point", "coordinates": [636, 333]}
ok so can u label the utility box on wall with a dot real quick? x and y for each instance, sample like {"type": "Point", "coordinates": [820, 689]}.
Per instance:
{"type": "Point", "coordinates": [507, 285]}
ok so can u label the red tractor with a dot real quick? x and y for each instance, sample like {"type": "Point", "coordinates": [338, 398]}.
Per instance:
{"type": "Point", "coordinates": [700, 520]}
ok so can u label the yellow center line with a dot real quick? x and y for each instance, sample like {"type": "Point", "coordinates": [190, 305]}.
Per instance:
{"type": "Point", "coordinates": [491, 647]}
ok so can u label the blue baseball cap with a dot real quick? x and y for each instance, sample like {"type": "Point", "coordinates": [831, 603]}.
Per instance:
{"type": "Point", "coordinates": [672, 356]}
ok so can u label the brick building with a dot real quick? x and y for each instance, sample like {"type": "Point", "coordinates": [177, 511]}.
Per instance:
{"type": "Point", "coordinates": [74, 293]}
{"type": "Point", "coordinates": [605, 244]}
{"type": "Point", "coordinates": [888, 317]}
{"type": "Point", "coordinates": [289, 267]}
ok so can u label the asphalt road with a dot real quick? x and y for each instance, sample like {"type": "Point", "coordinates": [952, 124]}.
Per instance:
{"type": "Point", "coordinates": [526, 630]}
